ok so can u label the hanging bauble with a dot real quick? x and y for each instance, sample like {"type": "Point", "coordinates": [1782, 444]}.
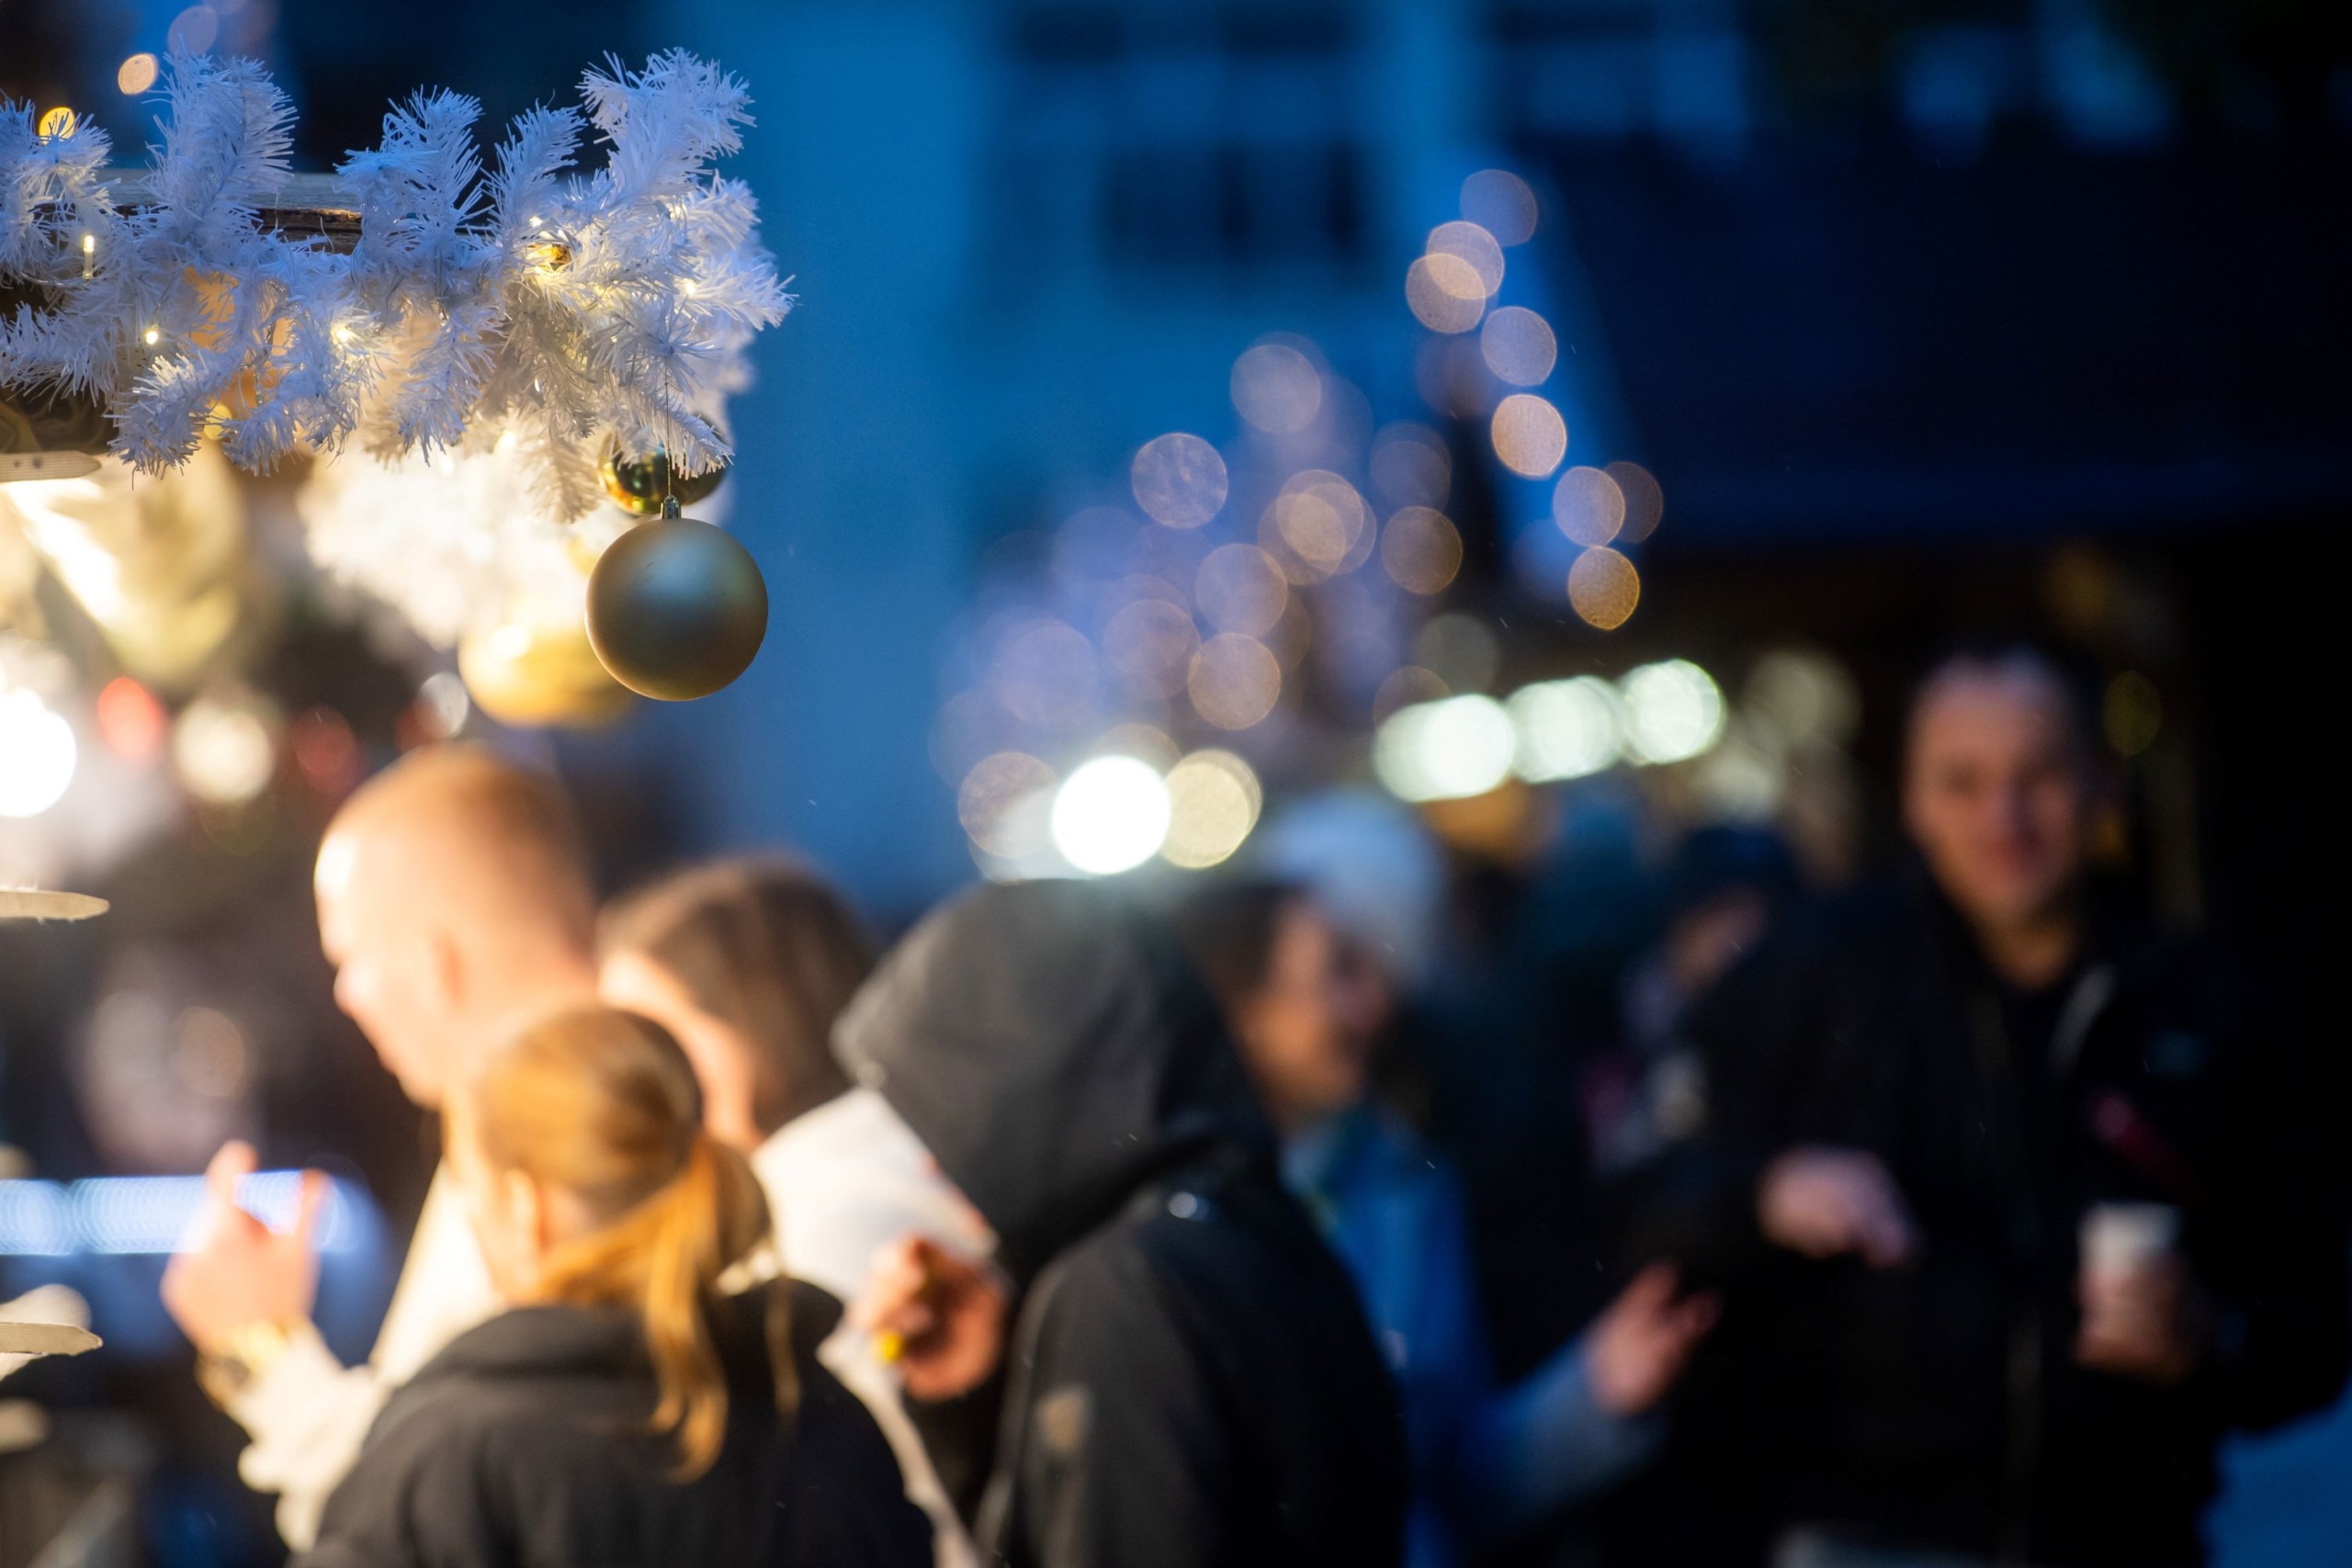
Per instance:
{"type": "Point", "coordinates": [676, 608]}
{"type": "Point", "coordinates": [535, 669]}
{"type": "Point", "coordinates": [641, 484]}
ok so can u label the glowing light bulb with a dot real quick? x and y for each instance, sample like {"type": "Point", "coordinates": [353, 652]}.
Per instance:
{"type": "Point", "coordinates": [153, 336]}
{"type": "Point", "coordinates": [1111, 815]}
{"type": "Point", "coordinates": [37, 755]}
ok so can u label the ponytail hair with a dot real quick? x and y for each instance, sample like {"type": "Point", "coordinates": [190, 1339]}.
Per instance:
{"type": "Point", "coordinates": [603, 1105]}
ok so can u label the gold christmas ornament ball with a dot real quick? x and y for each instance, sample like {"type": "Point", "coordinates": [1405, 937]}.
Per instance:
{"type": "Point", "coordinates": [534, 670]}
{"type": "Point", "coordinates": [641, 484]}
{"type": "Point", "coordinates": [676, 608]}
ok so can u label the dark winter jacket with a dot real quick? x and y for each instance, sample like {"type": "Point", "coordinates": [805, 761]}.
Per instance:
{"type": "Point", "coordinates": [523, 1442]}
{"type": "Point", "coordinates": [1941, 1403]}
{"type": "Point", "coordinates": [1190, 1383]}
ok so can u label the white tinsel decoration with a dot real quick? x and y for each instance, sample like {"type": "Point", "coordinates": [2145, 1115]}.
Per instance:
{"type": "Point", "coordinates": [565, 314]}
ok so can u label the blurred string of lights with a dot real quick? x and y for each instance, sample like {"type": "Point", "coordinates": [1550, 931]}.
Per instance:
{"type": "Point", "coordinates": [1114, 699]}
{"type": "Point", "coordinates": [117, 1216]}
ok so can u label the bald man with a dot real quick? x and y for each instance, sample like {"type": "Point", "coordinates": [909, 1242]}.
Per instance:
{"type": "Point", "coordinates": [455, 906]}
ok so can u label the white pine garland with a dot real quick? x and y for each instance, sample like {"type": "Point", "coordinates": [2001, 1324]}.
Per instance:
{"type": "Point", "coordinates": [575, 313]}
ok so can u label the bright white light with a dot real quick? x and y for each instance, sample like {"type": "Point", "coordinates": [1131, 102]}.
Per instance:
{"type": "Point", "coordinates": [1111, 815]}
{"type": "Point", "coordinates": [1673, 710]}
{"type": "Point", "coordinates": [1567, 728]}
{"type": "Point", "coordinates": [1444, 751]}
{"type": "Point", "coordinates": [37, 755]}
{"type": "Point", "coordinates": [225, 754]}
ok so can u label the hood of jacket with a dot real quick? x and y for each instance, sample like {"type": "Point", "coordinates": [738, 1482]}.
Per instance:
{"type": "Point", "coordinates": [1051, 1046]}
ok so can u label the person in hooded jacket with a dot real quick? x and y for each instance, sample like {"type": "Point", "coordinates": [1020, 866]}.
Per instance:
{"type": "Point", "coordinates": [1186, 1379]}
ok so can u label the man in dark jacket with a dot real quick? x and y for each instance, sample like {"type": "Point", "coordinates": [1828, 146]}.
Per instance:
{"type": "Point", "coordinates": [1188, 1382]}
{"type": "Point", "coordinates": [2019, 1204]}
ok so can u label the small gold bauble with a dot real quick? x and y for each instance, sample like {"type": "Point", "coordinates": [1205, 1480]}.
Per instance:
{"type": "Point", "coordinates": [676, 608]}
{"type": "Point", "coordinates": [640, 484]}
{"type": "Point", "coordinates": [532, 670]}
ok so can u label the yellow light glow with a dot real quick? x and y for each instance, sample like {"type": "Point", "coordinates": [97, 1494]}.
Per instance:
{"type": "Point", "coordinates": [1530, 436]}
{"type": "Point", "coordinates": [1588, 506]}
{"type": "Point", "coordinates": [152, 336]}
{"type": "Point", "coordinates": [1235, 681]}
{"type": "Point", "coordinates": [57, 122]}
{"type": "Point", "coordinates": [136, 74]}
{"type": "Point", "coordinates": [1110, 816]}
{"type": "Point", "coordinates": [1603, 588]}
{"type": "Point", "coordinates": [1445, 292]}
{"type": "Point", "coordinates": [1214, 799]}
{"type": "Point", "coordinates": [1179, 480]}
{"type": "Point", "coordinates": [89, 244]}
{"type": "Point", "coordinates": [1421, 551]}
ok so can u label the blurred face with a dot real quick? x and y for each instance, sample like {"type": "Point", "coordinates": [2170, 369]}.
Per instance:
{"type": "Point", "coordinates": [723, 1060]}
{"type": "Point", "coordinates": [1308, 1032]}
{"type": "Point", "coordinates": [1996, 794]}
{"type": "Point", "coordinates": [393, 976]}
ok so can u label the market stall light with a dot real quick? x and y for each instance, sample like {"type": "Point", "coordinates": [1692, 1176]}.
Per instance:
{"type": "Point", "coordinates": [1444, 751]}
{"type": "Point", "coordinates": [1111, 815]}
{"type": "Point", "coordinates": [37, 753]}
{"type": "Point", "coordinates": [1674, 711]}
{"type": "Point", "coordinates": [1567, 729]}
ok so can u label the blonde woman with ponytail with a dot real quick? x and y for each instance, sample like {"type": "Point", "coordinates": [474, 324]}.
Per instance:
{"type": "Point", "coordinates": [623, 1409]}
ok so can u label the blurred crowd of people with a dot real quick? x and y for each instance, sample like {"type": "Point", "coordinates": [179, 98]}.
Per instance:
{"type": "Point", "coordinates": [1950, 1220]}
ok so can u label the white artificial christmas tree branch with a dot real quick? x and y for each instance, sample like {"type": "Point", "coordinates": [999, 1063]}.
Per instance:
{"type": "Point", "coordinates": [581, 312]}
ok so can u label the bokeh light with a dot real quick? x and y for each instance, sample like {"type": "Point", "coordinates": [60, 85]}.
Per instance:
{"type": "Point", "coordinates": [136, 74]}
{"type": "Point", "coordinates": [1673, 710]}
{"type": "Point", "coordinates": [1405, 687]}
{"type": "Point", "coordinates": [1519, 345]}
{"type": "Point", "coordinates": [1421, 551]}
{"type": "Point", "coordinates": [1644, 502]}
{"type": "Point", "coordinates": [444, 704]}
{"type": "Point", "coordinates": [1502, 203]}
{"type": "Point", "coordinates": [1445, 292]}
{"type": "Point", "coordinates": [194, 30]}
{"type": "Point", "coordinates": [1241, 589]}
{"type": "Point", "coordinates": [1005, 802]}
{"type": "Point", "coordinates": [1317, 528]}
{"type": "Point", "coordinates": [131, 721]}
{"type": "Point", "coordinates": [37, 755]}
{"type": "Point", "coordinates": [1567, 729]}
{"type": "Point", "coordinates": [225, 751]}
{"type": "Point", "coordinates": [1110, 816]}
{"type": "Point", "coordinates": [1045, 675]}
{"type": "Point", "coordinates": [1411, 466]}
{"type": "Point", "coordinates": [1149, 645]}
{"type": "Point", "coordinates": [1473, 244]}
{"type": "Point", "coordinates": [1144, 742]}
{"type": "Point", "coordinates": [1444, 751]}
{"type": "Point", "coordinates": [1603, 588]}
{"type": "Point", "coordinates": [1461, 649]}
{"type": "Point", "coordinates": [1530, 436]}
{"type": "Point", "coordinates": [1588, 506]}
{"type": "Point", "coordinates": [1805, 698]}
{"type": "Point", "coordinates": [1214, 799]}
{"type": "Point", "coordinates": [1277, 388]}
{"type": "Point", "coordinates": [1235, 681]}
{"type": "Point", "coordinates": [1180, 479]}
